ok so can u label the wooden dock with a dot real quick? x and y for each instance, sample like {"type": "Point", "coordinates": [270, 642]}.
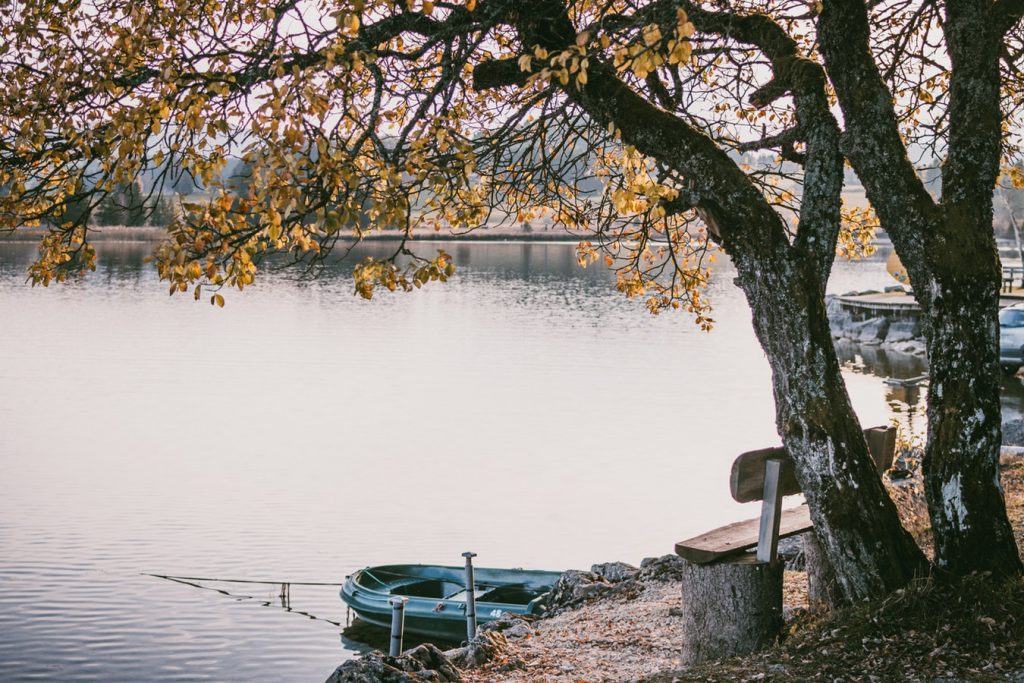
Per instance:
{"type": "Point", "coordinates": [866, 305]}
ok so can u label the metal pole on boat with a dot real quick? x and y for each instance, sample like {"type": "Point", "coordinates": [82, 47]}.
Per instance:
{"type": "Point", "coordinates": [470, 597]}
{"type": "Point", "coordinates": [397, 624]}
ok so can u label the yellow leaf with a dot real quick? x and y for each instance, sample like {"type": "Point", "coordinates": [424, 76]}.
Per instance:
{"type": "Point", "coordinates": [217, 299]}
{"type": "Point", "coordinates": [652, 35]}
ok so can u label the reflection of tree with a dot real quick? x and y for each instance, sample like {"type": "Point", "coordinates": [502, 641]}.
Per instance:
{"type": "Point", "coordinates": [906, 401]}
{"type": "Point", "coordinates": [879, 361]}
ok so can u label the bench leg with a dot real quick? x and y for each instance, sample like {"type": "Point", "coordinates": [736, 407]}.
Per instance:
{"type": "Point", "coordinates": [823, 589]}
{"type": "Point", "coordinates": [731, 607]}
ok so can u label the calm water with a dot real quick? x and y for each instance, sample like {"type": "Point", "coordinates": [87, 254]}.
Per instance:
{"type": "Point", "coordinates": [525, 411]}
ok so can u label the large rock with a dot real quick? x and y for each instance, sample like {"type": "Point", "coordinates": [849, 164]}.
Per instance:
{"type": "Point", "coordinates": [511, 626]}
{"type": "Point", "coordinates": [615, 571]}
{"type": "Point", "coordinates": [903, 330]}
{"type": "Point", "coordinates": [491, 642]}
{"type": "Point", "coordinates": [872, 331]}
{"type": "Point", "coordinates": [906, 462]}
{"type": "Point", "coordinates": [839, 319]}
{"type": "Point", "coordinates": [664, 568]}
{"type": "Point", "coordinates": [483, 648]}
{"type": "Point", "coordinates": [791, 551]}
{"type": "Point", "coordinates": [913, 347]}
{"type": "Point", "coordinates": [573, 588]}
{"type": "Point", "coordinates": [424, 663]}
{"type": "Point", "coordinates": [1013, 432]}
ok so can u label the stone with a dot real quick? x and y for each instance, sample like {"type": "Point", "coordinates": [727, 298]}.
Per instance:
{"type": "Point", "coordinates": [791, 551]}
{"type": "Point", "coordinates": [664, 568]}
{"type": "Point", "coordinates": [912, 347]}
{"type": "Point", "coordinates": [511, 626]}
{"type": "Point", "coordinates": [424, 663]}
{"type": "Point", "coordinates": [871, 331]}
{"type": "Point", "coordinates": [902, 330]}
{"type": "Point", "coordinates": [1013, 432]}
{"type": "Point", "coordinates": [483, 648]}
{"type": "Point", "coordinates": [615, 571]}
{"type": "Point", "coordinates": [574, 587]}
{"type": "Point", "coordinates": [906, 462]}
{"type": "Point", "coordinates": [839, 319]}
{"type": "Point", "coordinates": [895, 288]}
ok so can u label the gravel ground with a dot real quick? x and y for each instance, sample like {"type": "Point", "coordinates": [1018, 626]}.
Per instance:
{"type": "Point", "coordinates": [617, 639]}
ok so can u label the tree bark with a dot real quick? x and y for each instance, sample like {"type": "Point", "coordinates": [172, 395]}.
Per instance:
{"type": "Point", "coordinates": [961, 463]}
{"type": "Point", "coordinates": [730, 608]}
{"type": "Point", "coordinates": [823, 589]}
{"type": "Point", "coordinates": [784, 285]}
{"type": "Point", "coordinates": [950, 255]}
{"type": "Point", "coordinates": [856, 521]}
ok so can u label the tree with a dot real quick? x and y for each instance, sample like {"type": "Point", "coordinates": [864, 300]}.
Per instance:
{"type": "Point", "coordinates": [492, 110]}
{"type": "Point", "coordinates": [124, 205]}
{"type": "Point", "coordinates": [163, 210]}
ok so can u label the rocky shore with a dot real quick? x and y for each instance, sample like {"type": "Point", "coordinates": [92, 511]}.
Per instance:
{"type": "Point", "coordinates": [896, 333]}
{"type": "Point", "coordinates": [617, 622]}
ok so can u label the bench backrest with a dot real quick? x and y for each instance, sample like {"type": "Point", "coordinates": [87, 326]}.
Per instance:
{"type": "Point", "coordinates": [746, 481]}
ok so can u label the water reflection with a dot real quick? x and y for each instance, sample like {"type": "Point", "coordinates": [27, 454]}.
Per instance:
{"type": "Point", "coordinates": [905, 380]}
{"type": "Point", "coordinates": [525, 411]}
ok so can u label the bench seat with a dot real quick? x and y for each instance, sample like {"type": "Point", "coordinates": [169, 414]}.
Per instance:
{"type": "Point", "coordinates": [740, 536]}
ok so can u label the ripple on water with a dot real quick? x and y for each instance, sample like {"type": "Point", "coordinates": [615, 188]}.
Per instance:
{"type": "Point", "coordinates": [525, 411]}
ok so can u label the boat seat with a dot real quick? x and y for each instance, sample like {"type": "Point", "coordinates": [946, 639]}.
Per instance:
{"type": "Point", "coordinates": [429, 588]}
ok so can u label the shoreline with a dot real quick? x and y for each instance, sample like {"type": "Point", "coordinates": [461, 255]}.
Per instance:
{"type": "Point", "coordinates": [621, 623]}
{"type": "Point", "coordinates": [148, 233]}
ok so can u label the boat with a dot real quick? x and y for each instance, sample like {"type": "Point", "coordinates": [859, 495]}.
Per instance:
{"type": "Point", "coordinates": [436, 606]}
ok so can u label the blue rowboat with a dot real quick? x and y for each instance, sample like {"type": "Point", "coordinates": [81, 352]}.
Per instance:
{"type": "Point", "coordinates": [436, 606]}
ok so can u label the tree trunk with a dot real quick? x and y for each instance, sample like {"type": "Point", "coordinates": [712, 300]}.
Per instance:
{"type": "Point", "coordinates": [782, 279]}
{"type": "Point", "coordinates": [961, 463]}
{"type": "Point", "coordinates": [950, 255]}
{"type": "Point", "coordinates": [856, 521]}
{"type": "Point", "coordinates": [732, 607]}
{"type": "Point", "coordinates": [823, 589]}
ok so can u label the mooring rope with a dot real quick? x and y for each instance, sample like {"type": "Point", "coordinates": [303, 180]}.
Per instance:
{"type": "Point", "coordinates": [277, 583]}
{"type": "Point", "coordinates": [285, 594]}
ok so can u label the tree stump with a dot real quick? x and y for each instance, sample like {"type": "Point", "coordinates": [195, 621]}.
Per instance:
{"type": "Point", "coordinates": [730, 607]}
{"type": "Point", "coordinates": [823, 588]}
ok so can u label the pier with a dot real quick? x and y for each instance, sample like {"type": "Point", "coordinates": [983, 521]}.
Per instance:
{"type": "Point", "coordinates": [897, 303]}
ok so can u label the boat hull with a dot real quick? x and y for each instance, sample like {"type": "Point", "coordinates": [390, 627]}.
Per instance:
{"type": "Point", "coordinates": [436, 595]}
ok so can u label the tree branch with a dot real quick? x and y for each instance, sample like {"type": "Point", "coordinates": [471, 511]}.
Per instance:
{"type": "Point", "coordinates": [872, 140]}
{"type": "Point", "coordinates": [498, 73]}
{"type": "Point", "coordinates": [1007, 13]}
{"type": "Point", "coordinates": [975, 117]}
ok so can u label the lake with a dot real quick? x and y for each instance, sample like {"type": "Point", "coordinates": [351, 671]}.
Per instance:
{"type": "Point", "coordinates": [525, 411]}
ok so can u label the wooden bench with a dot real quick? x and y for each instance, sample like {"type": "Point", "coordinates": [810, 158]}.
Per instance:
{"type": "Point", "coordinates": [767, 475]}
{"type": "Point", "coordinates": [732, 599]}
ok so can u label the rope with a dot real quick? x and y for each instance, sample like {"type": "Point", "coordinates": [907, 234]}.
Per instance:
{"type": "Point", "coordinates": [278, 583]}
{"type": "Point", "coordinates": [285, 596]}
